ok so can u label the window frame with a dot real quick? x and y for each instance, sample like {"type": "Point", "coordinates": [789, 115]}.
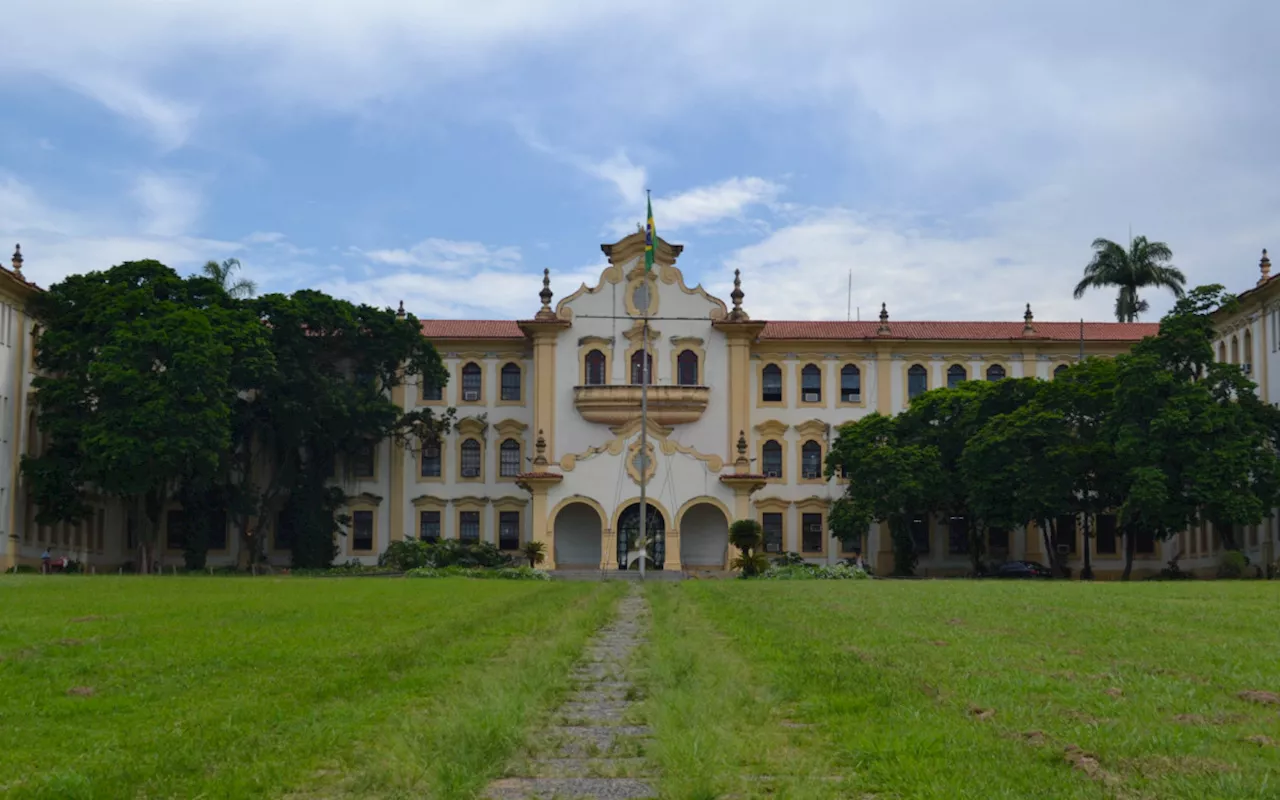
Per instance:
{"type": "Point", "coordinates": [951, 375]}
{"type": "Point", "coordinates": [765, 447]}
{"type": "Point", "coordinates": [911, 374]}
{"type": "Point", "coordinates": [857, 373]}
{"type": "Point", "coordinates": [815, 376]}
{"type": "Point", "coordinates": [504, 451]}
{"type": "Point", "coordinates": [464, 448]}
{"type": "Point", "coordinates": [683, 365]}
{"type": "Point", "coordinates": [766, 369]}
{"type": "Point", "coordinates": [504, 396]}
{"type": "Point", "coordinates": [463, 389]}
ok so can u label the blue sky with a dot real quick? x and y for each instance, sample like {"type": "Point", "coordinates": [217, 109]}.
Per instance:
{"type": "Point", "coordinates": [959, 157]}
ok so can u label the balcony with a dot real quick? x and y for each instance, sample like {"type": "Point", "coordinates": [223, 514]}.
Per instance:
{"type": "Point", "coordinates": [618, 405]}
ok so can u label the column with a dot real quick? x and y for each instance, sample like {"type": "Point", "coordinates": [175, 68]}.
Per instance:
{"type": "Point", "coordinates": [671, 559]}
{"type": "Point", "coordinates": [739, 393]}
{"type": "Point", "coordinates": [539, 531]}
{"type": "Point", "coordinates": [609, 549]}
{"type": "Point", "coordinates": [884, 380]}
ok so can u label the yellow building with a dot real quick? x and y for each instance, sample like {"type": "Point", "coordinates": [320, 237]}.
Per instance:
{"type": "Point", "coordinates": [741, 414]}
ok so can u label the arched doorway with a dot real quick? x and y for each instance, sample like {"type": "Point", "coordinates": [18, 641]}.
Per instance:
{"type": "Point", "coordinates": [578, 533]}
{"type": "Point", "coordinates": [704, 537]}
{"type": "Point", "coordinates": [629, 535]}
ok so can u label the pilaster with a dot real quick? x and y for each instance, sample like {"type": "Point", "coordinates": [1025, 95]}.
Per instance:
{"type": "Point", "coordinates": [671, 559]}
{"type": "Point", "coordinates": [396, 495]}
{"type": "Point", "coordinates": [609, 549]}
{"type": "Point", "coordinates": [884, 379]}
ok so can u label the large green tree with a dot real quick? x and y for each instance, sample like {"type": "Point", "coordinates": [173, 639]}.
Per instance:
{"type": "Point", "coordinates": [222, 273]}
{"type": "Point", "coordinates": [1144, 265]}
{"type": "Point", "coordinates": [139, 371]}
{"type": "Point", "coordinates": [889, 480]}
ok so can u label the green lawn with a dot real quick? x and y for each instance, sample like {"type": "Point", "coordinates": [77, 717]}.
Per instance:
{"type": "Point", "coordinates": [210, 687]}
{"type": "Point", "coordinates": [388, 688]}
{"type": "Point", "coordinates": [945, 689]}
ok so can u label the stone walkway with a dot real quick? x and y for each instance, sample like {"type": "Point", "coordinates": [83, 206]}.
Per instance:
{"type": "Point", "coordinates": [594, 747]}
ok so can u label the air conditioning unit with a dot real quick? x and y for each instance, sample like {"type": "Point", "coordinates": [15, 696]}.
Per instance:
{"type": "Point", "coordinates": [471, 473]}
{"type": "Point", "coordinates": [471, 396]}
{"type": "Point", "coordinates": [771, 474]}
{"type": "Point", "coordinates": [810, 475]}
{"type": "Point", "coordinates": [812, 397]}
{"type": "Point", "coordinates": [815, 527]}
{"type": "Point", "coordinates": [852, 398]}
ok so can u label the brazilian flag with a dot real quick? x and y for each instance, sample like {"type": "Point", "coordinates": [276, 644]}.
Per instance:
{"type": "Point", "coordinates": [650, 238]}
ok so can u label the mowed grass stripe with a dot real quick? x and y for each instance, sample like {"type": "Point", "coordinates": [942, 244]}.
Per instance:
{"type": "Point", "coordinates": [229, 687]}
{"type": "Point", "coordinates": [978, 689]}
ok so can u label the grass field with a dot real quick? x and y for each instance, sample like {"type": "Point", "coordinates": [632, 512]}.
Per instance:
{"type": "Point", "coordinates": [209, 687]}
{"type": "Point", "coordinates": [967, 689]}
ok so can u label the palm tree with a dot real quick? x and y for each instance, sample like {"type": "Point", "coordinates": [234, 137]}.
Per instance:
{"type": "Point", "coordinates": [221, 274]}
{"type": "Point", "coordinates": [1145, 264]}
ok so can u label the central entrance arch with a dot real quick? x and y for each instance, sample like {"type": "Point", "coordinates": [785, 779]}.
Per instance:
{"type": "Point", "coordinates": [629, 536]}
{"type": "Point", "coordinates": [578, 534]}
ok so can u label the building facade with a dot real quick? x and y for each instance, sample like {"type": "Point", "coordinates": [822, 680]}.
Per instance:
{"type": "Point", "coordinates": [741, 413]}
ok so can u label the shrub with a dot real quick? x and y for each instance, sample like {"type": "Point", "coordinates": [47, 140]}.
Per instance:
{"type": "Point", "coordinates": [748, 536]}
{"type": "Point", "coordinates": [789, 559]}
{"type": "Point", "coordinates": [501, 573]}
{"type": "Point", "coordinates": [415, 553]}
{"type": "Point", "coordinates": [535, 552]}
{"type": "Point", "coordinates": [810, 572]}
{"type": "Point", "coordinates": [1233, 564]}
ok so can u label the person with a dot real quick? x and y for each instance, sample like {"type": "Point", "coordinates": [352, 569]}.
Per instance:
{"type": "Point", "coordinates": [44, 561]}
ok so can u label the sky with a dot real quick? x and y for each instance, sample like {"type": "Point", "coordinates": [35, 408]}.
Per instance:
{"type": "Point", "coordinates": [956, 157]}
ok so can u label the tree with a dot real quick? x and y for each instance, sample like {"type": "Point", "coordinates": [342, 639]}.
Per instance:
{"type": "Point", "coordinates": [139, 370]}
{"type": "Point", "coordinates": [536, 552]}
{"type": "Point", "coordinates": [748, 536]}
{"type": "Point", "coordinates": [1144, 264]}
{"type": "Point", "coordinates": [220, 273]}
{"type": "Point", "coordinates": [888, 481]}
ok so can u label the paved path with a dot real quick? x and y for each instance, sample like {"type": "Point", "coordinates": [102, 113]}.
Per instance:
{"type": "Point", "coordinates": [594, 748]}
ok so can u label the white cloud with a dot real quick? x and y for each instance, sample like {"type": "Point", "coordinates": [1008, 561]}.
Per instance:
{"type": "Point", "coordinates": [447, 255]}
{"type": "Point", "coordinates": [171, 204]}
{"type": "Point", "coordinates": [706, 204]}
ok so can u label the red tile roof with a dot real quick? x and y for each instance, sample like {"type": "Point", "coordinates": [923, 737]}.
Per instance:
{"type": "Point", "coordinates": [962, 331]}
{"type": "Point", "coordinates": [471, 329]}
{"type": "Point", "coordinates": [440, 329]}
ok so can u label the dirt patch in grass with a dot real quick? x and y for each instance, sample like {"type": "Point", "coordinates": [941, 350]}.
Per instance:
{"type": "Point", "coordinates": [980, 713]}
{"type": "Point", "coordinates": [1201, 719]}
{"type": "Point", "coordinates": [1261, 741]}
{"type": "Point", "coordinates": [70, 642]}
{"type": "Point", "coordinates": [955, 621]}
{"type": "Point", "coordinates": [1035, 738]}
{"type": "Point", "coordinates": [940, 643]}
{"type": "Point", "coordinates": [90, 618]}
{"type": "Point", "coordinates": [81, 691]}
{"type": "Point", "coordinates": [1156, 766]}
{"type": "Point", "coordinates": [1089, 764]}
{"type": "Point", "coordinates": [1114, 692]}
{"type": "Point", "coordinates": [1257, 696]}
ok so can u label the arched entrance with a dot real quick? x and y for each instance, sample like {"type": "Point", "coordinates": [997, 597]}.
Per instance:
{"type": "Point", "coordinates": [629, 536]}
{"type": "Point", "coordinates": [704, 536]}
{"type": "Point", "coordinates": [578, 532]}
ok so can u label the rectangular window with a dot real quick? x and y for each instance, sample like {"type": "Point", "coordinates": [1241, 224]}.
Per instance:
{"type": "Point", "coordinates": [920, 532]}
{"type": "Point", "coordinates": [958, 535]}
{"type": "Point", "coordinates": [811, 533]}
{"type": "Point", "coordinates": [1106, 533]}
{"type": "Point", "coordinates": [362, 530]}
{"type": "Point", "coordinates": [218, 530]}
{"type": "Point", "coordinates": [431, 391]}
{"type": "Point", "coordinates": [850, 385]}
{"type": "Point", "coordinates": [509, 460]}
{"type": "Point", "coordinates": [175, 530]}
{"type": "Point", "coordinates": [998, 539]}
{"type": "Point", "coordinates": [511, 384]}
{"type": "Point", "coordinates": [1067, 532]}
{"type": "Point", "coordinates": [362, 460]}
{"type": "Point", "coordinates": [429, 526]}
{"type": "Point", "coordinates": [431, 459]}
{"type": "Point", "coordinates": [469, 526]}
{"type": "Point", "coordinates": [1146, 543]}
{"type": "Point", "coordinates": [508, 530]}
{"type": "Point", "coordinates": [772, 523]}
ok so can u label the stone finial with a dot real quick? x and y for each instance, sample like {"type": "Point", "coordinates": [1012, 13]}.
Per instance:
{"type": "Point", "coordinates": [17, 259]}
{"type": "Point", "coordinates": [1028, 322]}
{"type": "Point", "coordinates": [400, 310]}
{"type": "Point", "coordinates": [545, 312]}
{"type": "Point", "coordinates": [736, 296]}
{"type": "Point", "coordinates": [540, 448]}
{"type": "Point", "coordinates": [884, 320]}
{"type": "Point", "coordinates": [742, 464]}
{"type": "Point", "coordinates": [1265, 267]}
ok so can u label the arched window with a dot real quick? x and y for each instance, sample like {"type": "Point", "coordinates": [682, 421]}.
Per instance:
{"type": "Point", "coordinates": [917, 381]}
{"type": "Point", "coordinates": [1248, 352]}
{"type": "Point", "coordinates": [956, 375]}
{"type": "Point", "coordinates": [511, 382]}
{"type": "Point", "coordinates": [509, 458]}
{"type": "Point", "coordinates": [687, 368]}
{"type": "Point", "coordinates": [1235, 350]}
{"type": "Point", "coordinates": [850, 384]}
{"type": "Point", "coordinates": [995, 372]}
{"type": "Point", "coordinates": [771, 384]}
{"type": "Point", "coordinates": [471, 382]}
{"type": "Point", "coordinates": [431, 461]}
{"type": "Point", "coordinates": [811, 460]}
{"type": "Point", "coordinates": [772, 458]}
{"type": "Point", "coordinates": [811, 384]}
{"type": "Point", "coordinates": [1058, 370]}
{"type": "Point", "coordinates": [1222, 352]}
{"type": "Point", "coordinates": [595, 368]}
{"type": "Point", "coordinates": [641, 363]}
{"type": "Point", "coordinates": [471, 458]}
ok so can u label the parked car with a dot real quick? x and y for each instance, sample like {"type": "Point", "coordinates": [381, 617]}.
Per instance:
{"type": "Point", "coordinates": [1023, 569]}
